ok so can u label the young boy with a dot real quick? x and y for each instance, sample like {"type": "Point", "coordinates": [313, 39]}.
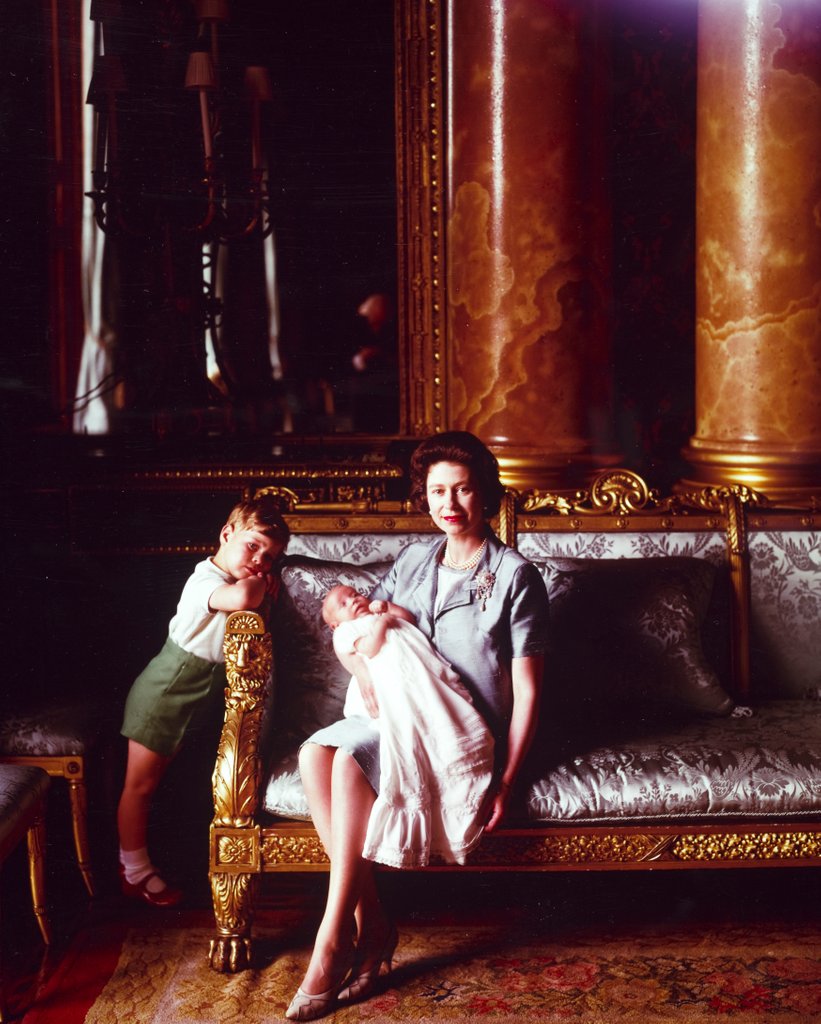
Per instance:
{"type": "Point", "coordinates": [435, 749]}
{"type": "Point", "coordinates": [180, 683]}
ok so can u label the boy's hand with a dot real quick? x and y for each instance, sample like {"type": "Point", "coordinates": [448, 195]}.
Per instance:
{"type": "Point", "coordinates": [378, 607]}
{"type": "Point", "coordinates": [272, 584]}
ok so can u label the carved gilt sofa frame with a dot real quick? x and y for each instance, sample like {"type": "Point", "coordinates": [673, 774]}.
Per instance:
{"type": "Point", "coordinates": [245, 843]}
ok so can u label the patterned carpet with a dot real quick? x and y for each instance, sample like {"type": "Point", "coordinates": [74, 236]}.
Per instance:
{"type": "Point", "coordinates": [550, 960]}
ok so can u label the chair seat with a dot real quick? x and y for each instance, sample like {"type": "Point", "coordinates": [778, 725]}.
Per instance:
{"type": "Point", "coordinates": [48, 730]}
{"type": "Point", "coordinates": [21, 789]}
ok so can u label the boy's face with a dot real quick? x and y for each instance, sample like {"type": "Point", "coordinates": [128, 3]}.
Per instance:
{"type": "Point", "coordinates": [344, 604]}
{"type": "Point", "coordinates": [245, 552]}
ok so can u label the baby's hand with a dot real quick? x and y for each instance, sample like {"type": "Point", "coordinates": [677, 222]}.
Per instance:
{"type": "Point", "coordinates": [378, 607]}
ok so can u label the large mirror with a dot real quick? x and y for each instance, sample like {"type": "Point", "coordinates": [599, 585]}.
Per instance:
{"type": "Point", "coordinates": [255, 230]}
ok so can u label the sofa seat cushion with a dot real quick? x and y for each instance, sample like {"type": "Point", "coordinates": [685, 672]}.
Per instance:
{"type": "Point", "coordinates": [766, 764]}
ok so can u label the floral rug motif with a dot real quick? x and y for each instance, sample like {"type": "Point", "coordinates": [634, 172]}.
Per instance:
{"type": "Point", "coordinates": [455, 972]}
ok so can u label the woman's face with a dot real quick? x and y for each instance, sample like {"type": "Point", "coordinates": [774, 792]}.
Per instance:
{"type": "Point", "coordinates": [456, 505]}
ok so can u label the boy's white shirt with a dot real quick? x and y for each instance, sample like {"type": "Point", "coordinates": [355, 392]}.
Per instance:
{"type": "Point", "coordinates": [195, 627]}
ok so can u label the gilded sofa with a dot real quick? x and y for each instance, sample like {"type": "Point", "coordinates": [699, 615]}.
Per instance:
{"type": "Point", "coordinates": [681, 720]}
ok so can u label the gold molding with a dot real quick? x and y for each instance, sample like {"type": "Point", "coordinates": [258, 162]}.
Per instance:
{"type": "Point", "coordinates": [749, 846]}
{"type": "Point", "coordinates": [615, 492]}
{"type": "Point", "coordinates": [786, 475]}
{"type": "Point", "coordinates": [296, 847]}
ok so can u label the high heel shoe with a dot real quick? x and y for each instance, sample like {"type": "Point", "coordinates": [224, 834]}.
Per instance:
{"type": "Point", "coordinates": [362, 986]}
{"type": "Point", "coordinates": [305, 1006]}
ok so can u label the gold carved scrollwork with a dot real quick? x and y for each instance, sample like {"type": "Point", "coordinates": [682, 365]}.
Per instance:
{"type": "Point", "coordinates": [288, 499]}
{"type": "Point", "coordinates": [732, 501]}
{"type": "Point", "coordinates": [563, 849]}
{"type": "Point", "coordinates": [278, 850]}
{"type": "Point", "coordinates": [749, 846]}
{"type": "Point", "coordinates": [234, 897]}
{"type": "Point", "coordinates": [248, 661]}
{"type": "Point", "coordinates": [507, 519]}
{"type": "Point", "coordinates": [236, 849]}
{"type": "Point", "coordinates": [618, 491]}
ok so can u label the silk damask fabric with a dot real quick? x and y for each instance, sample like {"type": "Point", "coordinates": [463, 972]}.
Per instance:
{"type": "Point", "coordinates": [764, 764]}
{"type": "Point", "coordinates": [21, 786]}
{"type": "Point", "coordinates": [626, 639]}
{"type": "Point", "coordinates": [48, 729]}
{"type": "Point", "coordinates": [786, 611]}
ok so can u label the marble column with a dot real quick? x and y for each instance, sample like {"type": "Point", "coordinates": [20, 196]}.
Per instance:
{"type": "Point", "coordinates": [758, 246]}
{"type": "Point", "coordinates": [529, 237]}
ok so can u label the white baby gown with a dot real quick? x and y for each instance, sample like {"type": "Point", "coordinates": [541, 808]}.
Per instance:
{"type": "Point", "coordinates": [436, 751]}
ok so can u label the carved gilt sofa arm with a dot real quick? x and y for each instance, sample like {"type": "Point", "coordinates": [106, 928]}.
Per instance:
{"type": "Point", "coordinates": [235, 840]}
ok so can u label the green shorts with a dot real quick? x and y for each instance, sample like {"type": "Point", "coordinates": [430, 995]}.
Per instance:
{"type": "Point", "coordinates": [171, 697]}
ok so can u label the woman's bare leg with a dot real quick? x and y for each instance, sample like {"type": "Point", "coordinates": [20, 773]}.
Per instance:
{"type": "Point", "coordinates": [315, 768]}
{"type": "Point", "coordinates": [342, 815]}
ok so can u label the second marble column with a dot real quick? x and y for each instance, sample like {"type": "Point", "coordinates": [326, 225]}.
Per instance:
{"type": "Point", "coordinates": [529, 237]}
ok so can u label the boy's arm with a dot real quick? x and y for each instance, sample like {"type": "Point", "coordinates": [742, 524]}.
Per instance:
{"type": "Point", "coordinates": [244, 595]}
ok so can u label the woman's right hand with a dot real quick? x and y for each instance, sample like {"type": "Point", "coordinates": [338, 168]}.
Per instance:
{"type": "Point", "coordinates": [358, 668]}
{"type": "Point", "coordinates": [368, 692]}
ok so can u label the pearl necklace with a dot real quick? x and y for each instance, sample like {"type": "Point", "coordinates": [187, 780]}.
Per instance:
{"type": "Point", "coordinates": [448, 562]}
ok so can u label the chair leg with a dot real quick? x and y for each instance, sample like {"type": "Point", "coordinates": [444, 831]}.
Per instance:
{"type": "Point", "coordinates": [36, 839]}
{"type": "Point", "coordinates": [79, 822]}
{"type": "Point", "coordinates": [234, 899]}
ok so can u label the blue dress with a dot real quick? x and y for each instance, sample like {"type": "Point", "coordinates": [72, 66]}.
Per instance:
{"type": "Point", "coordinates": [496, 613]}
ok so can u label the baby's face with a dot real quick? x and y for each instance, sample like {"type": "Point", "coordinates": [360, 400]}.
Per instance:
{"type": "Point", "coordinates": [344, 604]}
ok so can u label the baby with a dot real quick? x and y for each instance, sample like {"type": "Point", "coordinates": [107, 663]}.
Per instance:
{"type": "Point", "coordinates": [436, 751]}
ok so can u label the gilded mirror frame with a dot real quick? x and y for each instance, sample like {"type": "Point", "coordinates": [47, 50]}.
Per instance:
{"type": "Point", "coordinates": [420, 190]}
{"type": "Point", "coordinates": [420, 194]}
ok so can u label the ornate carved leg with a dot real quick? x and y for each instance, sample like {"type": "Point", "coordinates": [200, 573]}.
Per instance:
{"type": "Point", "coordinates": [79, 822]}
{"type": "Point", "coordinates": [234, 899]}
{"type": "Point", "coordinates": [36, 839]}
{"type": "Point", "coordinates": [235, 860]}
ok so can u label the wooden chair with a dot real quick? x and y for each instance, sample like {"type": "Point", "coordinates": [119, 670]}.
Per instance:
{"type": "Point", "coordinates": [56, 737]}
{"type": "Point", "coordinates": [23, 791]}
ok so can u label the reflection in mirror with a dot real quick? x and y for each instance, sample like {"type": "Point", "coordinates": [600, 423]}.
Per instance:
{"type": "Point", "coordinates": [333, 188]}
{"type": "Point", "coordinates": [241, 273]}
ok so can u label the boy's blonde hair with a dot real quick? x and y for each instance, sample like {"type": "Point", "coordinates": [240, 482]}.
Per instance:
{"type": "Point", "coordinates": [261, 514]}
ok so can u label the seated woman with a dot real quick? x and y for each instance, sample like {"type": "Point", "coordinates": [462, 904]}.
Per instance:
{"type": "Point", "coordinates": [484, 608]}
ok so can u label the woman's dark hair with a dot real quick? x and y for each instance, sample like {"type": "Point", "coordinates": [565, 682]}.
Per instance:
{"type": "Point", "coordinates": [466, 449]}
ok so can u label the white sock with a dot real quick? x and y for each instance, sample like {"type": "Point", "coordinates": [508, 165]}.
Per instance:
{"type": "Point", "coordinates": [137, 864]}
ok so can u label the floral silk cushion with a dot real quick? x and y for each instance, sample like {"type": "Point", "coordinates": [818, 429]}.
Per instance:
{"type": "Point", "coordinates": [311, 683]}
{"type": "Point", "coordinates": [762, 765]}
{"type": "Point", "coordinates": [626, 641]}
{"type": "Point", "coordinates": [53, 728]}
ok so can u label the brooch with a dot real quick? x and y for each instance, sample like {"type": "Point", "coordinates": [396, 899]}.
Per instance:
{"type": "Point", "coordinates": [484, 586]}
